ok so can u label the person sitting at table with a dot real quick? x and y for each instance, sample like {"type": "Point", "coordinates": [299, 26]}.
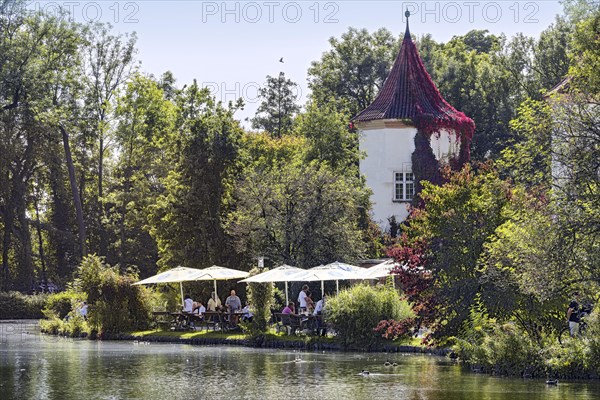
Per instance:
{"type": "Point", "coordinates": [289, 309]}
{"type": "Point", "coordinates": [199, 309]}
{"type": "Point", "coordinates": [188, 304]}
{"type": "Point", "coordinates": [233, 303]}
{"type": "Point", "coordinates": [246, 313]}
{"type": "Point", "coordinates": [214, 303]}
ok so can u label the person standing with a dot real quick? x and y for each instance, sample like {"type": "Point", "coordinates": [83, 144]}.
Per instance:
{"type": "Point", "coordinates": [318, 313]}
{"type": "Point", "coordinates": [233, 303]}
{"type": "Point", "coordinates": [302, 299]}
{"type": "Point", "coordinates": [214, 303]}
{"type": "Point", "coordinates": [310, 304]}
{"type": "Point", "coordinates": [319, 306]}
{"type": "Point", "coordinates": [83, 310]}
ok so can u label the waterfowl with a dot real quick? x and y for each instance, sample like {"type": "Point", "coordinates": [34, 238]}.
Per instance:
{"type": "Point", "coordinates": [387, 364]}
{"type": "Point", "coordinates": [364, 372]}
{"type": "Point", "coordinates": [394, 365]}
{"type": "Point", "coordinates": [552, 382]}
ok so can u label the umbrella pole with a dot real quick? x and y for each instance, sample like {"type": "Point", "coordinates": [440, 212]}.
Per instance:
{"type": "Point", "coordinates": [337, 287]}
{"type": "Point", "coordinates": [322, 289]}
{"type": "Point", "coordinates": [216, 294]}
{"type": "Point", "coordinates": [287, 301]}
{"type": "Point", "coordinates": [181, 290]}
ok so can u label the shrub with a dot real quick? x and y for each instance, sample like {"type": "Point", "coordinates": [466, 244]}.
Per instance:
{"type": "Point", "coordinates": [502, 348]}
{"type": "Point", "coordinates": [356, 312]}
{"type": "Point", "coordinates": [567, 360]}
{"type": "Point", "coordinates": [59, 305]}
{"type": "Point", "coordinates": [73, 327]}
{"type": "Point", "coordinates": [115, 305]}
{"type": "Point", "coordinates": [261, 298]}
{"type": "Point", "coordinates": [509, 351]}
{"type": "Point", "coordinates": [15, 305]}
{"type": "Point", "coordinates": [593, 342]}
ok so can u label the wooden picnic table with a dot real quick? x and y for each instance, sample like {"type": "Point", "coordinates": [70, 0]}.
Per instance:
{"type": "Point", "coordinates": [299, 322]}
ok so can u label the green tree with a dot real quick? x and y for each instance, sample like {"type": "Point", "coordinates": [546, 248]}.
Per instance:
{"type": "Point", "coordinates": [186, 218]}
{"type": "Point", "coordinates": [329, 139]}
{"type": "Point", "coordinates": [38, 56]}
{"type": "Point", "coordinates": [276, 112]}
{"type": "Point", "coordinates": [528, 160]}
{"type": "Point", "coordinates": [301, 215]}
{"type": "Point", "coordinates": [350, 75]}
{"type": "Point", "coordinates": [146, 124]}
{"type": "Point", "coordinates": [455, 224]}
{"type": "Point", "coordinates": [107, 62]}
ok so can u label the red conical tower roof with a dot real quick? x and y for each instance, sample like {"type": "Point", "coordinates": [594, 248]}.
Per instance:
{"type": "Point", "coordinates": [409, 93]}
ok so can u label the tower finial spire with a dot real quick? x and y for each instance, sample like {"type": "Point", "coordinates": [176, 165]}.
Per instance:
{"type": "Point", "coordinates": [407, 33]}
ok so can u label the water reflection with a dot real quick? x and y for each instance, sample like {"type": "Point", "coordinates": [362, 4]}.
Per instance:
{"type": "Point", "coordinates": [40, 367]}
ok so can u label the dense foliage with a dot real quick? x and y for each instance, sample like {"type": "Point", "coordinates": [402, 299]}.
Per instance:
{"type": "Point", "coordinates": [261, 297]}
{"type": "Point", "coordinates": [355, 313]}
{"type": "Point", "coordinates": [21, 306]}
{"type": "Point", "coordinates": [114, 304]}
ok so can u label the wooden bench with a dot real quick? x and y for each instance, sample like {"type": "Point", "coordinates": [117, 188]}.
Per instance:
{"type": "Point", "coordinates": [162, 320]}
{"type": "Point", "coordinates": [291, 322]}
{"type": "Point", "coordinates": [214, 319]}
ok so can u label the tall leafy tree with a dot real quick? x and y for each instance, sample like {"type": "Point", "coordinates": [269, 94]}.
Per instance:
{"type": "Point", "coordinates": [352, 72]}
{"type": "Point", "coordinates": [443, 243]}
{"type": "Point", "coordinates": [186, 220]}
{"type": "Point", "coordinates": [38, 54]}
{"type": "Point", "coordinates": [107, 62]}
{"type": "Point", "coordinates": [146, 124]}
{"type": "Point", "coordinates": [302, 215]}
{"type": "Point", "coordinates": [279, 105]}
{"type": "Point", "coordinates": [329, 139]}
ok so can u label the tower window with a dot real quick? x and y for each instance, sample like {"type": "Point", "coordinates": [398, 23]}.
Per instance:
{"type": "Point", "coordinates": [404, 186]}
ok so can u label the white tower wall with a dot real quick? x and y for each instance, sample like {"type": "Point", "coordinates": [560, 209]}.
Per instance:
{"type": "Point", "coordinates": [388, 146]}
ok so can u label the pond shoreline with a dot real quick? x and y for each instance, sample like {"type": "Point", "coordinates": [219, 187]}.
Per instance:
{"type": "Point", "coordinates": [310, 344]}
{"type": "Point", "coordinates": [269, 341]}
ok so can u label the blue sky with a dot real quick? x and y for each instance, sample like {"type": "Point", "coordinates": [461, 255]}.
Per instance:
{"type": "Point", "coordinates": [232, 46]}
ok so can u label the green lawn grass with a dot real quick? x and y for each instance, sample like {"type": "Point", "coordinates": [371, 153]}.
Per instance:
{"type": "Point", "coordinates": [272, 334]}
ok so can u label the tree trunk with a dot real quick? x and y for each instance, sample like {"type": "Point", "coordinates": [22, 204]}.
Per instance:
{"type": "Point", "coordinates": [101, 230]}
{"type": "Point", "coordinates": [8, 226]}
{"type": "Point", "coordinates": [40, 245]}
{"type": "Point", "coordinates": [75, 191]}
{"type": "Point", "coordinates": [24, 278]}
{"type": "Point", "coordinates": [61, 243]}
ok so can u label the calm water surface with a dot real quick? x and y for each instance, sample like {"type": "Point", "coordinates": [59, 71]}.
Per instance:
{"type": "Point", "coordinates": [33, 366]}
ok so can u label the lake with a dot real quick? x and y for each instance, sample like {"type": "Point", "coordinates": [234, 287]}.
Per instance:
{"type": "Point", "coordinates": [35, 366]}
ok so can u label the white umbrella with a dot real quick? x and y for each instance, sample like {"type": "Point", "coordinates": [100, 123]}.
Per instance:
{"type": "Point", "coordinates": [179, 274]}
{"type": "Point", "coordinates": [336, 271]}
{"type": "Point", "coordinates": [283, 273]}
{"type": "Point", "coordinates": [216, 273]}
{"type": "Point", "coordinates": [381, 270]}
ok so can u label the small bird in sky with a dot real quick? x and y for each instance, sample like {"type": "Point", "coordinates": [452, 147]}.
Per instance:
{"type": "Point", "coordinates": [281, 60]}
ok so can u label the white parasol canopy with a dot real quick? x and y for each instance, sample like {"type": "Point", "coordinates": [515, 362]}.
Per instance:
{"type": "Point", "coordinates": [381, 270]}
{"type": "Point", "coordinates": [216, 273]}
{"type": "Point", "coordinates": [175, 275]}
{"type": "Point", "coordinates": [283, 273]}
{"type": "Point", "coordinates": [336, 271]}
